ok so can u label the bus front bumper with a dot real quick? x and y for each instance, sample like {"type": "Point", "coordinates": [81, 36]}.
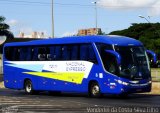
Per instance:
{"type": "Point", "coordinates": [136, 88]}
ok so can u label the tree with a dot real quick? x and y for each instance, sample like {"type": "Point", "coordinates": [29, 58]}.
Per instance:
{"type": "Point", "coordinates": [4, 31]}
{"type": "Point", "coordinates": [4, 28]}
{"type": "Point", "coordinates": [148, 33]}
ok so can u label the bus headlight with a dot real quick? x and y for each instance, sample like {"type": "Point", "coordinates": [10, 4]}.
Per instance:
{"type": "Point", "coordinates": [119, 81]}
{"type": "Point", "coordinates": [123, 83]}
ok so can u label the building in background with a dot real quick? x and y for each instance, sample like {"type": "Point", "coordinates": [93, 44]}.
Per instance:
{"type": "Point", "coordinates": [90, 31]}
{"type": "Point", "coordinates": [82, 32]}
{"type": "Point", "coordinates": [32, 35]}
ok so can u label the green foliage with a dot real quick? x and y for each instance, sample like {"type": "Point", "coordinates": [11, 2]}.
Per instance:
{"type": "Point", "coordinates": [4, 28]}
{"type": "Point", "coordinates": [2, 19]}
{"type": "Point", "coordinates": [147, 33]}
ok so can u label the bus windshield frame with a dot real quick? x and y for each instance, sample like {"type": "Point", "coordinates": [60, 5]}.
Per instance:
{"type": "Point", "coordinates": [134, 61]}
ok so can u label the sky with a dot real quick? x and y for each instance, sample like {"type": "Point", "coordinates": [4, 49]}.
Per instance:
{"type": "Point", "coordinates": [71, 15]}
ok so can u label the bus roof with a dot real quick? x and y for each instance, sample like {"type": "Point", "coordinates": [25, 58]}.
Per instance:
{"type": "Point", "coordinates": [108, 39]}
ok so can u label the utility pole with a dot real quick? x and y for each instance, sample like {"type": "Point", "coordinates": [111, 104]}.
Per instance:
{"type": "Point", "coordinates": [144, 18]}
{"type": "Point", "coordinates": [95, 13]}
{"type": "Point", "coordinates": [52, 18]}
{"type": "Point", "coordinates": [96, 20]}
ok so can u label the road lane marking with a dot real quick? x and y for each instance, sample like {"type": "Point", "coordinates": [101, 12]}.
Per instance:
{"type": "Point", "coordinates": [13, 103]}
{"type": "Point", "coordinates": [10, 101]}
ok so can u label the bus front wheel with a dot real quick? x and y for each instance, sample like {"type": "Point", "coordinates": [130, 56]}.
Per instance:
{"type": "Point", "coordinates": [94, 90]}
{"type": "Point", "coordinates": [28, 87]}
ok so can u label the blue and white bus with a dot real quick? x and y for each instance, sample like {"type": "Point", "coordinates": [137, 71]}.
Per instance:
{"type": "Point", "coordinates": [86, 64]}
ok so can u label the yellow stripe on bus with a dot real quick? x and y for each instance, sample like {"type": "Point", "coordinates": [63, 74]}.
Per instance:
{"type": "Point", "coordinates": [63, 76]}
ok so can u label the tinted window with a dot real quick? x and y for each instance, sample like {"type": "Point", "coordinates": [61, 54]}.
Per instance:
{"type": "Point", "coordinates": [8, 53]}
{"type": "Point", "coordinates": [75, 52]}
{"type": "Point", "coordinates": [35, 54]}
{"type": "Point", "coordinates": [52, 52]}
{"type": "Point", "coordinates": [58, 52]}
{"type": "Point", "coordinates": [66, 52]}
{"type": "Point", "coordinates": [87, 53]}
{"type": "Point", "coordinates": [16, 54]}
{"type": "Point", "coordinates": [109, 62]}
{"type": "Point", "coordinates": [23, 54]}
{"type": "Point", "coordinates": [101, 47]}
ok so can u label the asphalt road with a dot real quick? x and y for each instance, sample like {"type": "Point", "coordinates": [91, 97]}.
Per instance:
{"type": "Point", "coordinates": [12, 101]}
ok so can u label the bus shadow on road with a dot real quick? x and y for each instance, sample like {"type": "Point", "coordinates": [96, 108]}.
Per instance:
{"type": "Point", "coordinates": [17, 93]}
{"type": "Point", "coordinates": [107, 96]}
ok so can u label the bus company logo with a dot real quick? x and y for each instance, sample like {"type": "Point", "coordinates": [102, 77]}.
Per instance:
{"type": "Point", "coordinates": [75, 66]}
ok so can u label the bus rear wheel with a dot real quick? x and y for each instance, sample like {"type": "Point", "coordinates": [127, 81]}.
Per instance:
{"type": "Point", "coordinates": [94, 90]}
{"type": "Point", "coordinates": [28, 87]}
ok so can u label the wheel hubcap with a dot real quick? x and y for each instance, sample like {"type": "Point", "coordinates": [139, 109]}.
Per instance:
{"type": "Point", "coordinates": [95, 90]}
{"type": "Point", "coordinates": [28, 88]}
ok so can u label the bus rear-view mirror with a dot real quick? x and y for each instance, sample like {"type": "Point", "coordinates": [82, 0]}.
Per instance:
{"type": "Point", "coordinates": [116, 55]}
{"type": "Point", "coordinates": [152, 56]}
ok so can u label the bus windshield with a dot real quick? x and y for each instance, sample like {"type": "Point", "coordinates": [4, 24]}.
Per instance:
{"type": "Point", "coordinates": [134, 62]}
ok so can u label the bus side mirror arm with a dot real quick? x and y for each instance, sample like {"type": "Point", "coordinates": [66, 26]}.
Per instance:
{"type": "Point", "coordinates": [153, 55]}
{"type": "Point", "coordinates": [117, 55]}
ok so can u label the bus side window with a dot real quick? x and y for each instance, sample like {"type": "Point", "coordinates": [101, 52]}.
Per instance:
{"type": "Point", "coordinates": [87, 53]}
{"type": "Point", "coordinates": [66, 52]}
{"type": "Point", "coordinates": [55, 52]}
{"type": "Point", "coordinates": [75, 52]}
{"type": "Point", "coordinates": [48, 53]}
{"type": "Point", "coordinates": [109, 62]}
{"type": "Point", "coordinates": [58, 52]}
{"type": "Point", "coordinates": [35, 54]}
{"type": "Point", "coordinates": [42, 54]}
{"type": "Point", "coordinates": [8, 53]}
{"type": "Point", "coordinates": [101, 47]}
{"type": "Point", "coordinates": [84, 52]}
{"type": "Point", "coordinates": [52, 52]}
{"type": "Point", "coordinates": [16, 54]}
{"type": "Point", "coordinates": [92, 56]}
{"type": "Point", "coordinates": [29, 53]}
{"type": "Point", "coordinates": [23, 54]}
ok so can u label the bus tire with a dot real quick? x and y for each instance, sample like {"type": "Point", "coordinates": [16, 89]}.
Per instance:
{"type": "Point", "coordinates": [94, 90]}
{"type": "Point", "coordinates": [28, 87]}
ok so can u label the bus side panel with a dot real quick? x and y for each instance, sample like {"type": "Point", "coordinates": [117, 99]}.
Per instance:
{"type": "Point", "coordinates": [14, 77]}
{"type": "Point", "coordinates": [48, 84]}
{"type": "Point", "coordinates": [106, 81]}
{"type": "Point", "coordinates": [109, 84]}
{"type": "Point", "coordinates": [9, 77]}
{"type": "Point", "coordinates": [17, 76]}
